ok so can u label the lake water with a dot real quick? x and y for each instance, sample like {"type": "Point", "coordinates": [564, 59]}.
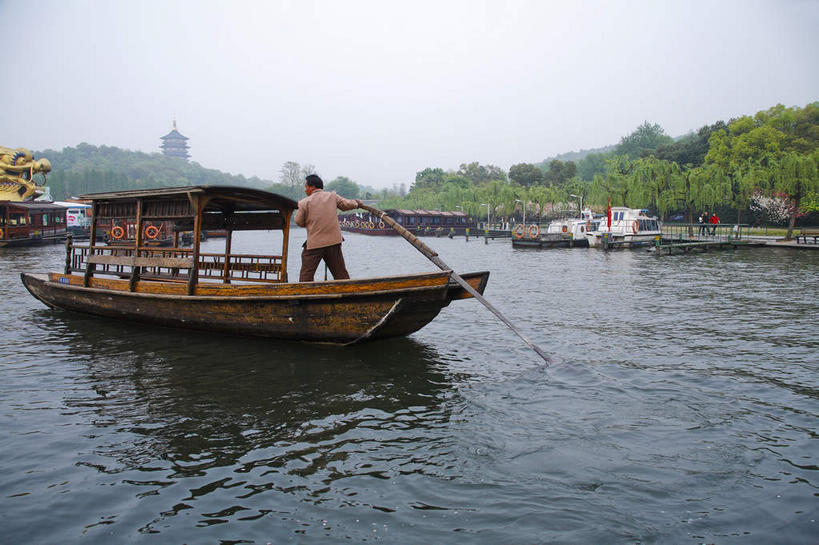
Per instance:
{"type": "Point", "coordinates": [681, 405]}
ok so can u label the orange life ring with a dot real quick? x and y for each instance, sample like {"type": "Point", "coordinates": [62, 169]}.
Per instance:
{"type": "Point", "coordinates": [565, 228]}
{"type": "Point", "coordinates": [151, 232]}
{"type": "Point", "coordinates": [117, 232]}
{"type": "Point", "coordinates": [519, 230]}
{"type": "Point", "coordinates": [371, 225]}
{"type": "Point", "coordinates": [635, 227]}
{"type": "Point", "coordinates": [380, 224]}
{"type": "Point", "coordinates": [1, 233]}
{"type": "Point", "coordinates": [534, 230]}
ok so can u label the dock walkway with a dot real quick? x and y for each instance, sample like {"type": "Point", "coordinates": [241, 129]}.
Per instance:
{"type": "Point", "coordinates": [682, 238]}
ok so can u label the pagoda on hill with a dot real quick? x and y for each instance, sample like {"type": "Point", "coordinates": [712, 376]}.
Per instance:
{"type": "Point", "coordinates": [174, 144]}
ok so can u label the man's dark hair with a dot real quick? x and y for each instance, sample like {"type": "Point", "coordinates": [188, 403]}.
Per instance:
{"type": "Point", "coordinates": [314, 181]}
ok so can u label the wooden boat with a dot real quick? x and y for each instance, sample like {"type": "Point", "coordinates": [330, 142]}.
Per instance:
{"type": "Point", "coordinates": [233, 293]}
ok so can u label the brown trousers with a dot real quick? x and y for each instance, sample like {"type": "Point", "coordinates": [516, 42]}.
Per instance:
{"type": "Point", "coordinates": [331, 255]}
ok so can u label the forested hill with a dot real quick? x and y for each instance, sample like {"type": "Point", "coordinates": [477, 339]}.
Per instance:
{"type": "Point", "coordinates": [576, 156]}
{"type": "Point", "coordinates": [90, 169]}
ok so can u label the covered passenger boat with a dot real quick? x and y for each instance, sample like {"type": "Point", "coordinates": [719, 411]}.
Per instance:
{"type": "Point", "coordinates": [233, 293]}
{"type": "Point", "coordinates": [418, 222]}
{"type": "Point", "coordinates": [31, 223]}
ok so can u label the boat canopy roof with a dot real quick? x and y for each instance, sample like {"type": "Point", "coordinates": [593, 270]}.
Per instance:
{"type": "Point", "coordinates": [32, 205]}
{"type": "Point", "coordinates": [423, 213]}
{"type": "Point", "coordinates": [217, 198]}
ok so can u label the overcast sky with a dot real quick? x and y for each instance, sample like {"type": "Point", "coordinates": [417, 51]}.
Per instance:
{"type": "Point", "coordinates": [378, 90]}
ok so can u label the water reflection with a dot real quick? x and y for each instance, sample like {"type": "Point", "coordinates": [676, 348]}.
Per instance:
{"type": "Point", "coordinates": [248, 416]}
{"type": "Point", "coordinates": [248, 392]}
{"type": "Point", "coordinates": [682, 405]}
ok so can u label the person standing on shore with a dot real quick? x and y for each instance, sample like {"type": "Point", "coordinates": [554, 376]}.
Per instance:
{"type": "Point", "coordinates": [714, 223]}
{"type": "Point", "coordinates": [317, 213]}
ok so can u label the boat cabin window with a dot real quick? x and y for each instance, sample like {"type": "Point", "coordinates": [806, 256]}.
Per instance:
{"type": "Point", "coordinates": [17, 218]}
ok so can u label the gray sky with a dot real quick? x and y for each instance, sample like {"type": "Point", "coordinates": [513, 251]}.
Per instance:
{"type": "Point", "coordinates": [378, 90]}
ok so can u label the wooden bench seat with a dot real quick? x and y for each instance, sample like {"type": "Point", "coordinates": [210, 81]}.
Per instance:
{"type": "Point", "coordinates": [808, 232]}
{"type": "Point", "coordinates": [133, 261]}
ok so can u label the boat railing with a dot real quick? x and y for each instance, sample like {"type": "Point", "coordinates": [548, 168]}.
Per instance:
{"type": "Point", "coordinates": [174, 264]}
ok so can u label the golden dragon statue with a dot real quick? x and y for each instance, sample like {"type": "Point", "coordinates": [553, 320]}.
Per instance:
{"type": "Point", "coordinates": [17, 170]}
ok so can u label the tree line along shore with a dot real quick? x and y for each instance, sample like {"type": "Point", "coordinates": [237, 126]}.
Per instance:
{"type": "Point", "coordinates": [760, 169]}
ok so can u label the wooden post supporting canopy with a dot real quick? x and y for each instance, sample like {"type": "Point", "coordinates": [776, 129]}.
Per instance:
{"type": "Point", "coordinates": [197, 204]}
{"type": "Point", "coordinates": [89, 266]}
{"type": "Point", "coordinates": [285, 239]}
{"type": "Point", "coordinates": [137, 245]}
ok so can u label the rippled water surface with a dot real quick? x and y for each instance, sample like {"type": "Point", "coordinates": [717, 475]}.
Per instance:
{"type": "Point", "coordinates": [680, 406]}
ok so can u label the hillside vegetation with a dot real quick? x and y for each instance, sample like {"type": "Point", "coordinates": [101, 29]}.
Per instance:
{"type": "Point", "coordinates": [91, 169]}
{"type": "Point", "coordinates": [760, 169]}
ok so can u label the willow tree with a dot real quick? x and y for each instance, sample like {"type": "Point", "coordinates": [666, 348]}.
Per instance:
{"type": "Point", "coordinates": [616, 183]}
{"type": "Point", "coordinates": [691, 189]}
{"type": "Point", "coordinates": [539, 196]}
{"type": "Point", "coordinates": [748, 179]}
{"type": "Point", "coordinates": [652, 178]}
{"type": "Point", "coordinates": [493, 194]}
{"type": "Point", "coordinates": [716, 189]}
{"type": "Point", "coordinates": [798, 176]}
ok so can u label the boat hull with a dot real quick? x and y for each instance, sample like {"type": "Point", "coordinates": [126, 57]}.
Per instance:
{"type": "Point", "coordinates": [595, 239]}
{"type": "Point", "coordinates": [335, 312]}
{"type": "Point", "coordinates": [32, 241]}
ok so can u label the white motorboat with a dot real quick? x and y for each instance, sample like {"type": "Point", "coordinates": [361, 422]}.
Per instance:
{"type": "Point", "coordinates": [576, 228]}
{"type": "Point", "coordinates": [629, 227]}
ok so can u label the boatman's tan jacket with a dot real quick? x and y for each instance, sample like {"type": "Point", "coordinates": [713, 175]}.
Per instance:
{"type": "Point", "coordinates": [318, 214]}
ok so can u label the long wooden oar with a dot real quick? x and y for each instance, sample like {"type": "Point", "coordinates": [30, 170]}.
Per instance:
{"type": "Point", "coordinates": [430, 254]}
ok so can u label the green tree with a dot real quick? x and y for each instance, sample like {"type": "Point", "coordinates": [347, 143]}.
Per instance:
{"type": "Point", "coordinates": [616, 183]}
{"type": "Point", "coordinates": [593, 163]}
{"type": "Point", "coordinates": [344, 187]}
{"type": "Point", "coordinates": [478, 174]}
{"type": "Point", "coordinates": [429, 177]}
{"type": "Point", "coordinates": [798, 178]}
{"type": "Point", "coordinates": [559, 172]}
{"type": "Point", "coordinates": [652, 178]}
{"type": "Point", "coordinates": [690, 150]}
{"type": "Point", "coordinates": [646, 137]}
{"type": "Point", "coordinates": [525, 174]}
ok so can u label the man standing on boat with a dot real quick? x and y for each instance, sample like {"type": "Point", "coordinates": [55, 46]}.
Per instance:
{"type": "Point", "coordinates": [317, 213]}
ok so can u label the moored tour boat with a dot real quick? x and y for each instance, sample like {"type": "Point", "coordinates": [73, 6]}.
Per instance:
{"type": "Point", "coordinates": [234, 293]}
{"type": "Point", "coordinates": [630, 227]}
{"type": "Point", "coordinates": [563, 233]}
{"type": "Point", "coordinates": [31, 223]}
{"type": "Point", "coordinates": [418, 222]}
{"type": "Point", "coordinates": [24, 221]}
